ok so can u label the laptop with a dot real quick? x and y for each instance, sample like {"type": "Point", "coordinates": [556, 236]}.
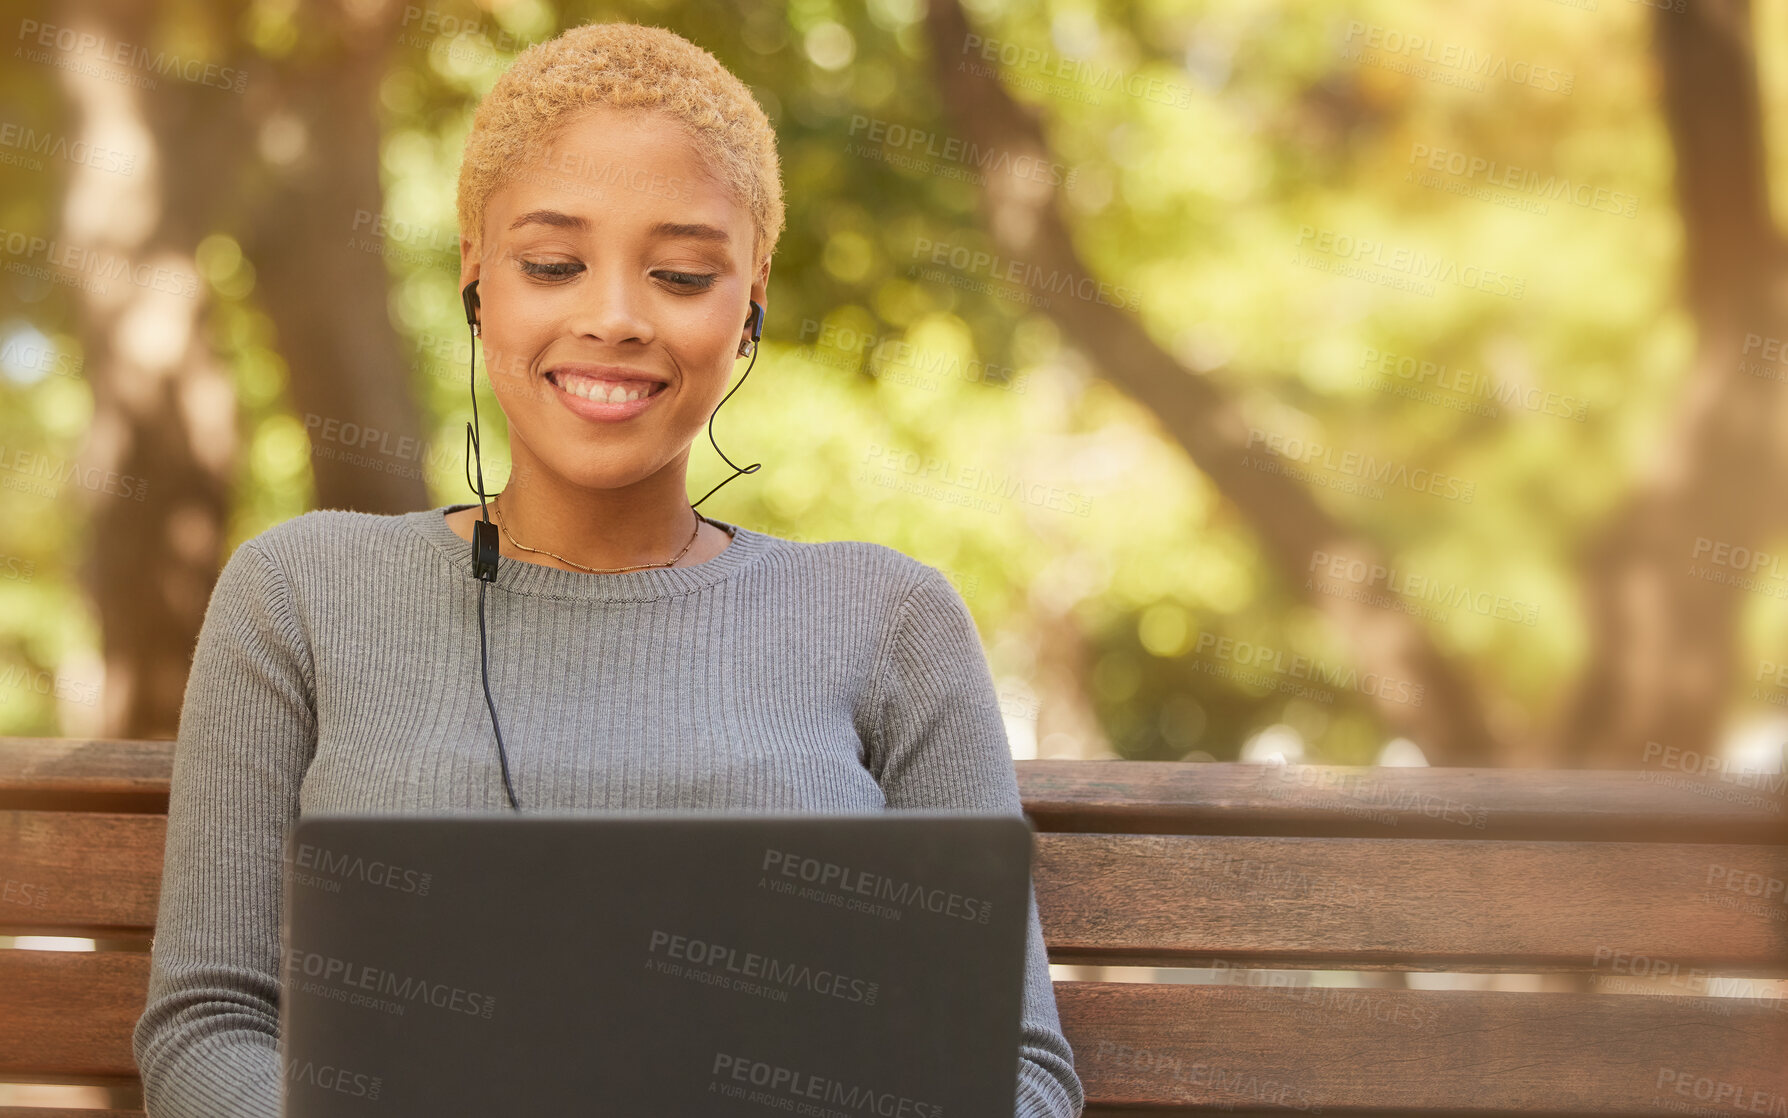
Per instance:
{"type": "Point", "coordinates": [661, 963]}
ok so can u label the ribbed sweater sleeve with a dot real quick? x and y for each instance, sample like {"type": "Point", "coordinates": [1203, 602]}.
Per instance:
{"type": "Point", "coordinates": [941, 743]}
{"type": "Point", "coordinates": [207, 1043]}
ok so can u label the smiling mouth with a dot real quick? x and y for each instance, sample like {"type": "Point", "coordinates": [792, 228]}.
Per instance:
{"type": "Point", "coordinates": [605, 390]}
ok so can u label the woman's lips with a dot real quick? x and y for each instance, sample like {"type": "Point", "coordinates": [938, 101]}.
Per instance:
{"type": "Point", "coordinates": [604, 404]}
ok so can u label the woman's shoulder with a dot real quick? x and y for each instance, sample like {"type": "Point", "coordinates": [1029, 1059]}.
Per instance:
{"type": "Point", "coordinates": [861, 566]}
{"type": "Point", "coordinates": [328, 528]}
{"type": "Point", "coordinates": [327, 543]}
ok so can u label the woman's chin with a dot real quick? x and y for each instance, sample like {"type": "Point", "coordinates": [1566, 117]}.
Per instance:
{"type": "Point", "coordinates": [604, 471]}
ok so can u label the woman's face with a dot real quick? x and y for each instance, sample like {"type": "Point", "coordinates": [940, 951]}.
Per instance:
{"type": "Point", "coordinates": [612, 266]}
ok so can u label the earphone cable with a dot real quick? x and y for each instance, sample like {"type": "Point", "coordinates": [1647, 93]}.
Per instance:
{"type": "Point", "coordinates": [484, 664]}
{"type": "Point", "coordinates": [475, 453]}
{"type": "Point", "coordinates": [737, 470]}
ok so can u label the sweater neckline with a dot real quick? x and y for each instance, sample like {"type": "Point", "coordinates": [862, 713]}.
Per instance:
{"type": "Point", "coordinates": [518, 576]}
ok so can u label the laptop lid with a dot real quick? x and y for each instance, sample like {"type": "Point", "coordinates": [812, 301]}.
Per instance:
{"type": "Point", "coordinates": [654, 963]}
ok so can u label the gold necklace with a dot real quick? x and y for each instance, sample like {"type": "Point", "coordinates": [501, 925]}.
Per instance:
{"type": "Point", "coordinates": [497, 507]}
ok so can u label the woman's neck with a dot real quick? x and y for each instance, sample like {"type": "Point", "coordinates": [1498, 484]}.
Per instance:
{"type": "Point", "coordinates": [647, 524]}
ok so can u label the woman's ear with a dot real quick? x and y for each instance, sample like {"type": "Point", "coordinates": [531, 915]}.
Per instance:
{"type": "Point", "coordinates": [468, 261]}
{"type": "Point", "coordinates": [760, 288]}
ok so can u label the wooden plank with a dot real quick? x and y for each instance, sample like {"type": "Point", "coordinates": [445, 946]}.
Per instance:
{"type": "Point", "coordinates": [67, 774]}
{"type": "Point", "coordinates": [1657, 804]}
{"type": "Point", "coordinates": [1155, 1048]}
{"type": "Point", "coordinates": [1171, 797]}
{"type": "Point", "coordinates": [79, 873]}
{"type": "Point", "coordinates": [65, 1112]}
{"type": "Point", "coordinates": [69, 1014]}
{"type": "Point", "coordinates": [1186, 900]}
{"type": "Point", "coordinates": [1412, 904]}
{"type": "Point", "coordinates": [1198, 1048]}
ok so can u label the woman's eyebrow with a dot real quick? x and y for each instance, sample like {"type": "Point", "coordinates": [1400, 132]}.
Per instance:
{"type": "Point", "coordinates": [550, 217]}
{"type": "Point", "coordinates": [697, 232]}
{"type": "Point", "coordinates": [667, 229]}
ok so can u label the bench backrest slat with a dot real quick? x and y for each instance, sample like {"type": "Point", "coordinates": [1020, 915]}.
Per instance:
{"type": "Point", "coordinates": [36, 1111]}
{"type": "Point", "coordinates": [1418, 1051]}
{"type": "Point", "coordinates": [1181, 901]}
{"type": "Point", "coordinates": [1412, 904]}
{"type": "Point", "coordinates": [80, 873]}
{"type": "Point", "coordinates": [1174, 798]}
{"type": "Point", "coordinates": [1162, 797]}
{"type": "Point", "coordinates": [81, 1007]}
{"type": "Point", "coordinates": [59, 774]}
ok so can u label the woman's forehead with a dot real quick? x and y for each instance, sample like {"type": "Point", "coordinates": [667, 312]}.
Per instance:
{"type": "Point", "coordinates": [632, 171]}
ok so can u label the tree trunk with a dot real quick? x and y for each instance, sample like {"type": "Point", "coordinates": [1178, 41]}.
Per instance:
{"type": "Point", "coordinates": [1664, 625]}
{"type": "Point", "coordinates": [164, 408]}
{"type": "Point", "coordinates": [318, 234]}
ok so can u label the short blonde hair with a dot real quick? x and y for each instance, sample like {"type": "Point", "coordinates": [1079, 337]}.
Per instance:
{"type": "Point", "coordinates": [624, 66]}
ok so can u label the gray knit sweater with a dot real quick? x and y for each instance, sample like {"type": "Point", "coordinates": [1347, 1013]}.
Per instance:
{"type": "Point", "coordinates": [337, 671]}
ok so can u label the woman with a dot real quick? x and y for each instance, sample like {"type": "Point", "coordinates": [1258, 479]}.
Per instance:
{"type": "Point", "coordinates": [619, 201]}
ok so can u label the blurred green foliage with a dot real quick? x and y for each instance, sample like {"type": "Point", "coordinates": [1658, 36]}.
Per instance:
{"type": "Point", "coordinates": [1202, 209]}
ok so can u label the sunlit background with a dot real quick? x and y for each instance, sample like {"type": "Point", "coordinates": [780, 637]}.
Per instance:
{"type": "Point", "coordinates": [1370, 382]}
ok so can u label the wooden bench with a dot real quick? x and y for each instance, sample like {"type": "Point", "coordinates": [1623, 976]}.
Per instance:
{"type": "Point", "coordinates": [1640, 880]}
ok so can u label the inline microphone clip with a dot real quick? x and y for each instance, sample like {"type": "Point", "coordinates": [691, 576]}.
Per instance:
{"type": "Point", "coordinates": [484, 550]}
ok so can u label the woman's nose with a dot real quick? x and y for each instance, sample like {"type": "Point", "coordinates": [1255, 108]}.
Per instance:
{"type": "Point", "coordinates": [611, 308]}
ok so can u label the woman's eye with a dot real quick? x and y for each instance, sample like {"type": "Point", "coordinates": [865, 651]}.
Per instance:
{"type": "Point", "coordinates": [549, 268]}
{"type": "Point", "coordinates": [694, 281]}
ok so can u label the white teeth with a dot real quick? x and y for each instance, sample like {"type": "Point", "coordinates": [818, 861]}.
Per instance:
{"type": "Point", "coordinates": [590, 389]}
